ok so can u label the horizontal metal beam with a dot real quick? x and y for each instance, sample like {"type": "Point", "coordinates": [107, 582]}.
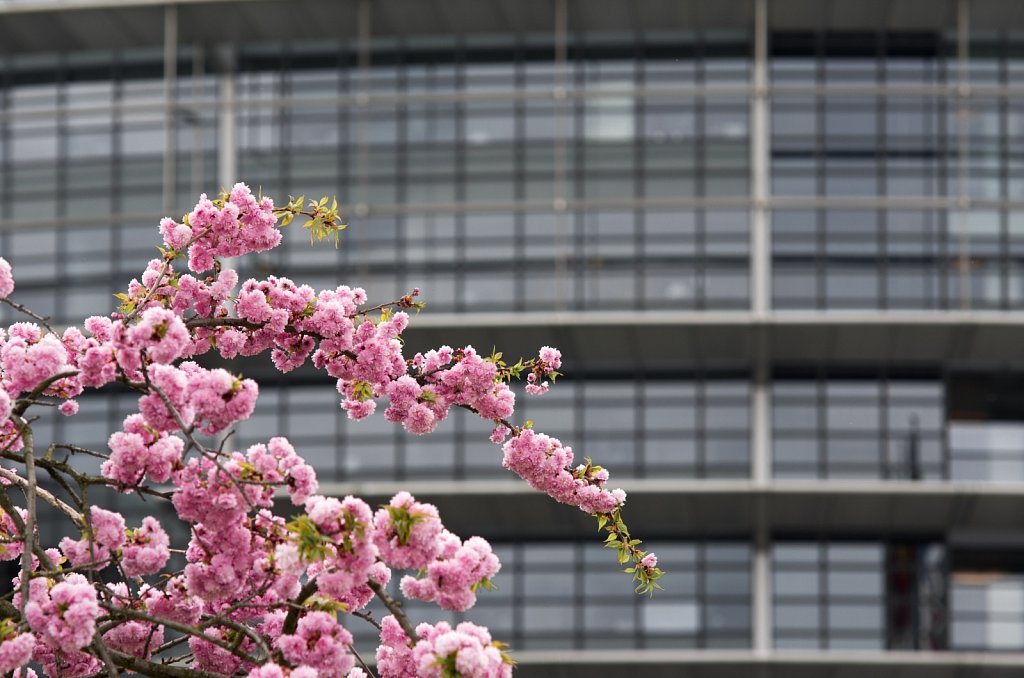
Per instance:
{"type": "Point", "coordinates": [713, 508]}
{"type": "Point", "coordinates": [594, 341]}
{"type": "Point", "coordinates": [775, 664]}
{"type": "Point", "coordinates": [286, 20]}
{"type": "Point", "coordinates": [360, 99]}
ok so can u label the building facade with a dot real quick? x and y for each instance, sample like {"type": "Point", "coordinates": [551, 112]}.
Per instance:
{"type": "Point", "coordinates": [780, 242]}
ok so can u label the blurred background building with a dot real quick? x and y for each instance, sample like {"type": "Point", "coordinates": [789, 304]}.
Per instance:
{"type": "Point", "coordinates": [781, 243]}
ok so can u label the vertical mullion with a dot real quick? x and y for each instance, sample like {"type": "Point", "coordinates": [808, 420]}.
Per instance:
{"type": "Point", "coordinates": [460, 176]}
{"type": "Point", "coordinates": [579, 596]}
{"type": "Point", "coordinates": [944, 443]}
{"type": "Point", "coordinates": [639, 430]}
{"type": "Point", "coordinates": [639, 172]}
{"type": "Point", "coordinates": [762, 632]}
{"type": "Point", "coordinates": [170, 63]}
{"type": "Point", "coordinates": [575, 264]}
{"type": "Point", "coordinates": [882, 156]}
{"type": "Point", "coordinates": [1004, 176]}
{"type": "Point", "coordinates": [821, 384]}
{"type": "Point", "coordinates": [824, 638]}
{"type": "Point", "coordinates": [61, 130]}
{"type": "Point", "coordinates": [519, 111]}
{"type": "Point", "coordinates": [820, 159]}
{"type": "Point", "coordinates": [963, 152]}
{"type": "Point", "coordinates": [700, 562]}
{"type": "Point", "coordinates": [700, 435]}
{"type": "Point", "coordinates": [700, 150]}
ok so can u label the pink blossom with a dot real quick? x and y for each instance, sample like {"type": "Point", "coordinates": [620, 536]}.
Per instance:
{"type": "Point", "coordinates": [11, 541]}
{"type": "Point", "coordinates": [29, 357]}
{"type": "Point", "coordinates": [16, 651]}
{"type": "Point", "coordinates": [66, 664]}
{"type": "Point", "coordinates": [319, 642]}
{"type": "Point", "coordinates": [210, 657]}
{"type": "Point", "coordinates": [219, 399]}
{"type": "Point", "coordinates": [175, 235]}
{"type": "Point", "coordinates": [406, 532]}
{"type": "Point", "coordinates": [64, 617]}
{"type": "Point", "coordinates": [544, 463]}
{"type": "Point", "coordinates": [132, 637]}
{"type": "Point", "coordinates": [394, 656]}
{"type": "Point", "coordinates": [139, 451]}
{"type": "Point", "coordinates": [499, 434]}
{"type": "Point", "coordinates": [69, 408]}
{"type": "Point", "coordinates": [551, 356]}
{"type": "Point", "coordinates": [6, 279]}
{"type": "Point", "coordinates": [146, 550]}
{"type": "Point", "coordinates": [161, 333]}
{"type": "Point", "coordinates": [466, 650]}
{"type": "Point", "coordinates": [452, 581]}
{"type": "Point", "coordinates": [104, 535]}
{"type": "Point", "coordinates": [174, 603]}
{"type": "Point", "coordinates": [5, 406]}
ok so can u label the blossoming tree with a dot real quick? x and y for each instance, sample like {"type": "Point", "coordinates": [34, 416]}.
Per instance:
{"type": "Point", "coordinates": [259, 594]}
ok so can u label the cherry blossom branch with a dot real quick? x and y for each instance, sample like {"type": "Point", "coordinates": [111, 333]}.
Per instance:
{"type": "Point", "coordinates": [43, 494]}
{"type": "Point", "coordinates": [104, 653]}
{"type": "Point", "coordinates": [29, 531]}
{"type": "Point", "coordinates": [19, 525]}
{"type": "Point", "coordinates": [168, 258]}
{"type": "Point", "coordinates": [187, 432]}
{"type": "Point", "coordinates": [292, 618]}
{"type": "Point", "coordinates": [367, 617]}
{"type": "Point", "coordinates": [23, 403]}
{"type": "Point", "coordinates": [115, 611]}
{"type": "Point", "coordinates": [395, 608]}
{"type": "Point", "coordinates": [154, 670]}
{"type": "Point", "coordinates": [21, 308]}
{"type": "Point", "coordinates": [362, 663]}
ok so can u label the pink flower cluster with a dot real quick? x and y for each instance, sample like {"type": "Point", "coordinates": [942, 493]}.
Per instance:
{"type": "Point", "coordinates": [466, 651]}
{"type": "Point", "coordinates": [133, 637]}
{"type": "Point", "coordinates": [549, 360]}
{"type": "Point", "coordinates": [366, 366]}
{"type": "Point", "coordinates": [16, 651]}
{"type": "Point", "coordinates": [6, 279]}
{"type": "Point", "coordinates": [242, 224]}
{"type": "Point", "coordinates": [407, 533]}
{"type": "Point", "coordinates": [544, 463]}
{"type": "Point", "coordinates": [63, 617]}
{"type": "Point", "coordinates": [11, 543]}
{"type": "Point", "coordinates": [140, 450]}
{"type": "Point", "coordinates": [215, 659]}
{"type": "Point", "coordinates": [159, 332]}
{"type": "Point", "coordinates": [103, 535]}
{"type": "Point", "coordinates": [447, 378]}
{"type": "Point", "coordinates": [278, 463]}
{"type": "Point", "coordinates": [271, 670]}
{"type": "Point", "coordinates": [147, 549]}
{"type": "Point", "coordinates": [351, 559]}
{"type": "Point", "coordinates": [459, 570]}
{"type": "Point", "coordinates": [217, 493]}
{"type": "Point", "coordinates": [173, 603]}
{"type": "Point", "coordinates": [319, 642]}
{"type": "Point", "coordinates": [29, 357]}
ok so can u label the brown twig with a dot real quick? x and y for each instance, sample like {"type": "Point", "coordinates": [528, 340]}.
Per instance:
{"type": "Point", "coordinates": [21, 308]}
{"type": "Point", "coordinates": [395, 608]}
